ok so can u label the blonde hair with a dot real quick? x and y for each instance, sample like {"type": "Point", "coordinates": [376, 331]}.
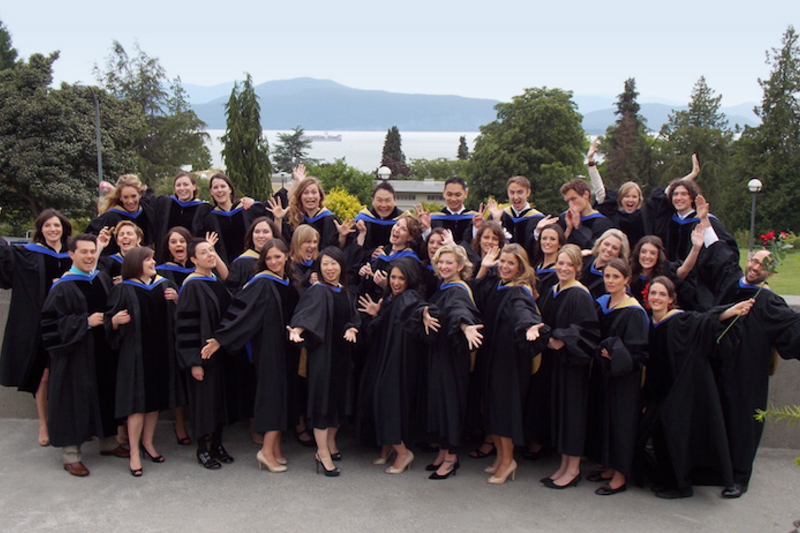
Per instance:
{"type": "Point", "coordinates": [625, 248]}
{"type": "Point", "coordinates": [575, 256]}
{"type": "Point", "coordinates": [461, 259]}
{"type": "Point", "coordinates": [112, 199]}
{"type": "Point", "coordinates": [526, 274]}
{"type": "Point", "coordinates": [136, 229]}
{"type": "Point", "coordinates": [295, 203]}
{"type": "Point", "coordinates": [303, 233]}
{"type": "Point", "coordinates": [627, 187]}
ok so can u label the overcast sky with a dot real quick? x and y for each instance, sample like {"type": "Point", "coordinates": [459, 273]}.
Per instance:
{"type": "Point", "coordinates": [489, 49]}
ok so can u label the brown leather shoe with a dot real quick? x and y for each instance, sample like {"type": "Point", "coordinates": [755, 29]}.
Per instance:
{"type": "Point", "coordinates": [119, 451]}
{"type": "Point", "coordinates": [77, 469]}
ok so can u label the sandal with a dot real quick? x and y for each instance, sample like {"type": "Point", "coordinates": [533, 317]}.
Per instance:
{"type": "Point", "coordinates": [478, 453]}
{"type": "Point", "coordinates": [309, 443]}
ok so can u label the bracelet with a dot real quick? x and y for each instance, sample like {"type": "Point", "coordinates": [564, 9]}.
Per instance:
{"type": "Point", "coordinates": [591, 163]}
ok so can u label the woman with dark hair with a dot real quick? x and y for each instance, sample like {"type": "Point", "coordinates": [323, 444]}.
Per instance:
{"type": "Point", "coordinates": [176, 265]}
{"type": "Point", "coordinates": [139, 323]}
{"type": "Point", "coordinates": [489, 236]}
{"type": "Point", "coordinates": [574, 336]}
{"type": "Point", "coordinates": [615, 386]}
{"type": "Point", "coordinates": [229, 218]}
{"type": "Point", "coordinates": [182, 208]}
{"type": "Point", "coordinates": [29, 271]}
{"type": "Point", "coordinates": [243, 267]}
{"type": "Point", "coordinates": [514, 333]}
{"type": "Point", "coordinates": [437, 238]}
{"type": "Point", "coordinates": [402, 243]}
{"type": "Point", "coordinates": [389, 387]}
{"type": "Point", "coordinates": [128, 201]}
{"type": "Point", "coordinates": [259, 315]}
{"type": "Point", "coordinates": [683, 413]}
{"type": "Point", "coordinates": [449, 358]}
{"type": "Point", "coordinates": [327, 321]}
{"type": "Point", "coordinates": [202, 303]}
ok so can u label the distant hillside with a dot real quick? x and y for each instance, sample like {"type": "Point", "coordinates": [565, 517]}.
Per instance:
{"type": "Point", "coordinates": [329, 106]}
{"type": "Point", "coordinates": [326, 105]}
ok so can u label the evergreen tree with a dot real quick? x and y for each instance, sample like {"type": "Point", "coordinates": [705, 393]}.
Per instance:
{"type": "Point", "coordinates": [292, 150]}
{"type": "Point", "coordinates": [393, 156]}
{"type": "Point", "coordinates": [771, 151]}
{"type": "Point", "coordinates": [701, 129]}
{"type": "Point", "coordinates": [463, 149]}
{"type": "Point", "coordinates": [8, 54]}
{"type": "Point", "coordinates": [539, 135]}
{"type": "Point", "coordinates": [172, 134]}
{"type": "Point", "coordinates": [626, 147]}
{"type": "Point", "coordinates": [246, 151]}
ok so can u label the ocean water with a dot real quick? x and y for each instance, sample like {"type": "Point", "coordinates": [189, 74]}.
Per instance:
{"type": "Point", "coordinates": [362, 149]}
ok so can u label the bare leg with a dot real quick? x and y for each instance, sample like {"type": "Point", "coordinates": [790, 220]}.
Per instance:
{"type": "Point", "coordinates": [276, 447]}
{"type": "Point", "coordinates": [268, 448]}
{"type": "Point", "coordinates": [561, 469]}
{"type": "Point", "coordinates": [507, 454]}
{"type": "Point", "coordinates": [571, 470]}
{"type": "Point", "coordinates": [448, 462]}
{"type": "Point", "coordinates": [180, 422]}
{"type": "Point", "coordinates": [332, 446]}
{"type": "Point", "coordinates": [403, 456]}
{"type": "Point", "coordinates": [499, 457]}
{"type": "Point", "coordinates": [617, 481]}
{"type": "Point", "coordinates": [41, 408]}
{"type": "Point", "coordinates": [135, 425]}
{"type": "Point", "coordinates": [148, 431]}
{"type": "Point", "coordinates": [324, 454]}
{"type": "Point", "coordinates": [440, 457]}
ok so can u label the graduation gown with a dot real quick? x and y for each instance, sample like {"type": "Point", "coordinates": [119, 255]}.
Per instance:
{"type": "Point", "coordinates": [174, 272]}
{"type": "Point", "coordinates": [743, 375]}
{"type": "Point", "coordinates": [683, 412]}
{"type": "Point", "coordinates": [460, 224]}
{"type": "Point", "coordinates": [378, 229]}
{"type": "Point", "coordinates": [171, 212]}
{"type": "Point", "coordinates": [615, 384]}
{"type": "Point", "coordinates": [592, 277]}
{"type": "Point", "coordinates": [521, 227]}
{"type": "Point", "coordinates": [325, 313]}
{"type": "Point", "coordinates": [634, 225]}
{"type": "Point", "coordinates": [324, 221]}
{"type": "Point", "coordinates": [592, 227]}
{"type": "Point", "coordinates": [231, 226]}
{"type": "Point", "coordinates": [384, 262]}
{"type": "Point", "coordinates": [572, 319]}
{"type": "Point", "coordinates": [83, 368]}
{"type": "Point", "coordinates": [241, 271]}
{"type": "Point", "coordinates": [256, 316]}
{"type": "Point", "coordinates": [147, 373]}
{"type": "Point", "coordinates": [144, 217]}
{"type": "Point", "coordinates": [202, 301]}
{"type": "Point", "coordinates": [449, 363]}
{"type": "Point", "coordinates": [505, 360]}
{"type": "Point", "coordinates": [28, 271]}
{"type": "Point", "coordinates": [388, 390]}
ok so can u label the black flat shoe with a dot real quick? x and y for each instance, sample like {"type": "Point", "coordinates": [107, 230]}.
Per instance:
{"type": "Point", "coordinates": [674, 494]}
{"type": "Point", "coordinates": [597, 477]}
{"type": "Point", "coordinates": [606, 490]}
{"type": "Point", "coordinates": [735, 491]}
{"type": "Point", "coordinates": [551, 484]}
{"type": "Point", "coordinates": [205, 459]}
{"type": "Point", "coordinates": [309, 443]}
{"type": "Point", "coordinates": [156, 459]}
{"type": "Point", "coordinates": [219, 453]}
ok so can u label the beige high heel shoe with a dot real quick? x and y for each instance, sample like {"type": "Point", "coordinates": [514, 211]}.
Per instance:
{"type": "Point", "coordinates": [262, 461]}
{"type": "Point", "coordinates": [403, 467]}
{"type": "Point", "coordinates": [383, 460]}
{"type": "Point", "coordinates": [510, 471]}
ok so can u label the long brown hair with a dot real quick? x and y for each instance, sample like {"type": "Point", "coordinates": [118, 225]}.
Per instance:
{"type": "Point", "coordinates": [526, 275]}
{"type": "Point", "coordinates": [296, 212]}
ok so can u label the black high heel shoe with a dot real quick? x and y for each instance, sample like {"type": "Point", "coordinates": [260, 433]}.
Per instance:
{"type": "Point", "coordinates": [156, 459]}
{"type": "Point", "coordinates": [221, 454]}
{"type": "Point", "coordinates": [453, 470]}
{"type": "Point", "coordinates": [185, 441]}
{"type": "Point", "coordinates": [137, 473]}
{"type": "Point", "coordinates": [205, 459]}
{"type": "Point", "coordinates": [336, 456]}
{"type": "Point", "coordinates": [328, 473]}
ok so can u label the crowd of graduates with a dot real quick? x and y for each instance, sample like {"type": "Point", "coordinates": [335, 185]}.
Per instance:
{"type": "Point", "coordinates": [599, 333]}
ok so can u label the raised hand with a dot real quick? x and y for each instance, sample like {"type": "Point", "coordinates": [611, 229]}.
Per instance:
{"type": "Point", "coordinates": [369, 306]}
{"type": "Point", "coordinates": [212, 238]}
{"type": "Point", "coordinates": [533, 332]}
{"type": "Point", "coordinates": [247, 202]}
{"type": "Point", "coordinates": [477, 218]}
{"type": "Point", "coordinates": [592, 151]}
{"type": "Point", "coordinates": [447, 237]}
{"type": "Point", "coordinates": [491, 258]}
{"type": "Point", "coordinates": [430, 322]}
{"type": "Point", "coordinates": [424, 216]}
{"type": "Point", "coordinates": [495, 211]}
{"type": "Point", "coordinates": [299, 173]}
{"type": "Point", "coordinates": [474, 336]}
{"type": "Point", "coordinates": [702, 206]}
{"type": "Point", "coordinates": [274, 206]}
{"type": "Point", "coordinates": [543, 223]}
{"type": "Point", "coordinates": [380, 278]}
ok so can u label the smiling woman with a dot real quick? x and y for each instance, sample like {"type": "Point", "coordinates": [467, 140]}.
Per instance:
{"type": "Point", "coordinates": [129, 201]}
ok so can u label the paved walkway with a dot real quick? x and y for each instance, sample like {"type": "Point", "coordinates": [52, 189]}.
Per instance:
{"type": "Point", "coordinates": [37, 495]}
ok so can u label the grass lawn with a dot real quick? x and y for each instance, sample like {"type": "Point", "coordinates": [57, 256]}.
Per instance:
{"type": "Point", "coordinates": [787, 278]}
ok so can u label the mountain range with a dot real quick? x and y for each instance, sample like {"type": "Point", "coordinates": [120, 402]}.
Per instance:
{"type": "Point", "coordinates": [329, 106]}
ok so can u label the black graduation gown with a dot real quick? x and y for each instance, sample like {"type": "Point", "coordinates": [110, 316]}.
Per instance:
{"type": "Point", "coordinates": [388, 390]}
{"type": "Point", "coordinates": [147, 374]}
{"type": "Point", "coordinates": [683, 412]}
{"type": "Point", "coordinates": [384, 262]}
{"type": "Point", "coordinates": [615, 385]}
{"type": "Point", "coordinates": [572, 319]}
{"type": "Point", "coordinates": [634, 225]}
{"type": "Point", "coordinates": [592, 227]}
{"type": "Point", "coordinates": [202, 301]}
{"type": "Point", "coordinates": [144, 218]}
{"type": "Point", "coordinates": [231, 226]}
{"type": "Point", "coordinates": [449, 363]}
{"type": "Point", "coordinates": [743, 375]}
{"type": "Point", "coordinates": [83, 368]}
{"type": "Point", "coordinates": [241, 271]}
{"type": "Point", "coordinates": [29, 271]}
{"type": "Point", "coordinates": [521, 227]}
{"type": "Point", "coordinates": [324, 222]}
{"type": "Point", "coordinates": [640, 284]}
{"type": "Point", "coordinates": [256, 316]}
{"type": "Point", "coordinates": [329, 366]}
{"type": "Point", "coordinates": [378, 229]}
{"type": "Point", "coordinates": [505, 360]}
{"type": "Point", "coordinates": [592, 277]}
{"type": "Point", "coordinates": [111, 265]}
{"type": "Point", "coordinates": [171, 212]}
{"type": "Point", "coordinates": [174, 272]}
{"type": "Point", "coordinates": [460, 225]}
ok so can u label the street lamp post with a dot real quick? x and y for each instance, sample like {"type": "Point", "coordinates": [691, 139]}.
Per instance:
{"type": "Point", "coordinates": [754, 185]}
{"type": "Point", "coordinates": [97, 138]}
